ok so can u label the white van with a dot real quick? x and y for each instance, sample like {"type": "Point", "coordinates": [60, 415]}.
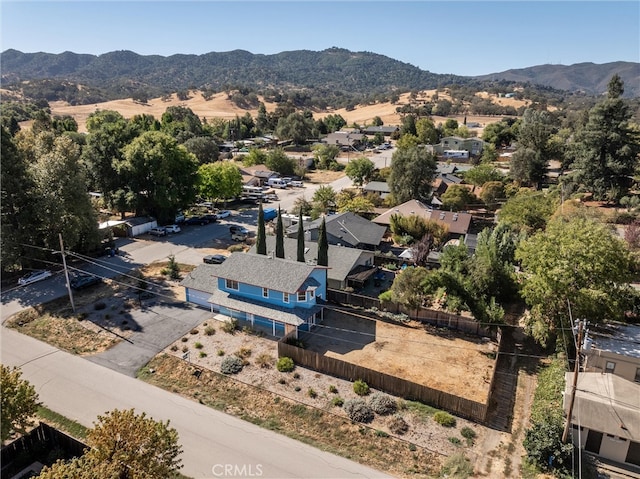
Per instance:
{"type": "Point", "coordinates": [276, 183]}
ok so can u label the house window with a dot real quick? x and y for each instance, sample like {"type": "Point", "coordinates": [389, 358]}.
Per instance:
{"type": "Point", "coordinates": [611, 366]}
{"type": "Point", "coordinates": [302, 296]}
{"type": "Point", "coordinates": [265, 292]}
{"type": "Point", "coordinates": [311, 293]}
{"type": "Point", "coordinates": [285, 297]}
{"type": "Point", "coordinates": [231, 284]}
{"type": "Point", "coordinates": [637, 379]}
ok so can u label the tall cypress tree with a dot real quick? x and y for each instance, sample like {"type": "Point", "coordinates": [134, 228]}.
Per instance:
{"type": "Point", "coordinates": [323, 245]}
{"type": "Point", "coordinates": [261, 238]}
{"type": "Point", "coordinates": [300, 238]}
{"type": "Point", "coordinates": [279, 236]}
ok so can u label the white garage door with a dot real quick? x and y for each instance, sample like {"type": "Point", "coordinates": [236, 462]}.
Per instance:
{"type": "Point", "coordinates": [198, 297]}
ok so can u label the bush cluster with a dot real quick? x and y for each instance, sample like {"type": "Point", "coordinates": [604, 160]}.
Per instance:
{"type": "Point", "coordinates": [397, 424]}
{"type": "Point", "coordinates": [444, 419]}
{"type": "Point", "coordinates": [360, 388]}
{"type": "Point", "coordinates": [209, 330]}
{"type": "Point", "coordinates": [382, 404]}
{"type": "Point", "coordinates": [358, 410]}
{"type": "Point", "coordinates": [285, 364]}
{"type": "Point", "coordinates": [230, 326]}
{"type": "Point", "coordinates": [231, 365]}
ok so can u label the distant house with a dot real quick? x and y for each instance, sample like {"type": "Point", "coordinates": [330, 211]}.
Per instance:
{"type": "Point", "coordinates": [474, 146]}
{"type": "Point", "coordinates": [136, 226]}
{"type": "Point", "coordinates": [458, 224]}
{"type": "Point", "coordinates": [385, 130]}
{"type": "Point", "coordinates": [380, 188]}
{"type": "Point", "coordinates": [277, 295]}
{"type": "Point", "coordinates": [344, 139]}
{"type": "Point", "coordinates": [343, 261]}
{"type": "Point", "coordinates": [605, 418]}
{"type": "Point", "coordinates": [257, 175]}
{"type": "Point", "coordinates": [614, 349]}
{"type": "Point", "coordinates": [344, 229]}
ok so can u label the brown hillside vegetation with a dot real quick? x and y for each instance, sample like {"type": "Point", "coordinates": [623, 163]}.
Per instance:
{"type": "Point", "coordinates": [219, 106]}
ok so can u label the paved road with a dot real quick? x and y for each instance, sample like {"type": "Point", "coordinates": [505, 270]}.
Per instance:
{"type": "Point", "coordinates": [212, 441]}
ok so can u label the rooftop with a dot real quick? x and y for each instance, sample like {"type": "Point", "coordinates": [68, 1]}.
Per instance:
{"type": "Point", "coordinates": [623, 339]}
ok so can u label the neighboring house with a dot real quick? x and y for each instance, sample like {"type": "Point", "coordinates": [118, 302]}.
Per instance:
{"type": "Point", "coordinates": [257, 175]}
{"type": "Point", "coordinates": [344, 229]}
{"type": "Point", "coordinates": [279, 295]}
{"type": "Point", "coordinates": [130, 227]}
{"type": "Point", "coordinates": [343, 261]}
{"type": "Point", "coordinates": [605, 418]}
{"type": "Point", "coordinates": [344, 139]}
{"type": "Point", "coordinates": [380, 188]}
{"type": "Point", "coordinates": [458, 224]}
{"type": "Point", "coordinates": [474, 146]}
{"type": "Point", "coordinates": [385, 130]}
{"type": "Point", "coordinates": [614, 349]}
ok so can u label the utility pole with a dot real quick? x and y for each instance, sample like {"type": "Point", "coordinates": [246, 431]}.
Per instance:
{"type": "Point", "coordinates": [576, 369]}
{"type": "Point", "coordinates": [66, 272]}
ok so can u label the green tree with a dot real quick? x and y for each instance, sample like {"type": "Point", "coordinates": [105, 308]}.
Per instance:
{"type": "Point", "coordinates": [324, 198]}
{"type": "Point", "coordinates": [498, 134]}
{"type": "Point", "coordinates": [412, 173]}
{"type": "Point", "coordinates": [481, 174]}
{"type": "Point", "coordinates": [19, 401]}
{"type": "Point", "coordinates": [255, 156]}
{"type": "Point", "coordinates": [181, 123]}
{"type": "Point", "coordinates": [528, 210]}
{"type": "Point", "coordinates": [277, 160]}
{"type": "Point", "coordinates": [124, 445]}
{"type": "Point", "coordinates": [325, 155]}
{"type": "Point", "coordinates": [561, 264]}
{"type": "Point", "coordinates": [61, 195]}
{"type": "Point", "coordinates": [604, 154]}
{"type": "Point", "coordinates": [261, 238]}
{"type": "Point", "coordinates": [262, 120]}
{"type": "Point", "coordinates": [323, 245]}
{"type": "Point", "coordinates": [529, 162]}
{"type": "Point", "coordinates": [407, 288]}
{"type": "Point", "coordinates": [296, 127]}
{"type": "Point", "coordinates": [356, 204]}
{"type": "Point", "coordinates": [279, 236]}
{"type": "Point", "coordinates": [492, 192]}
{"type": "Point", "coordinates": [426, 131]}
{"type": "Point", "coordinates": [489, 154]}
{"type": "Point", "coordinates": [334, 122]}
{"type": "Point", "coordinates": [360, 170]}
{"type": "Point", "coordinates": [161, 174]}
{"type": "Point", "coordinates": [219, 181]}
{"type": "Point", "coordinates": [300, 255]}
{"type": "Point", "coordinates": [377, 121]}
{"type": "Point", "coordinates": [204, 148]}
{"type": "Point", "coordinates": [457, 198]}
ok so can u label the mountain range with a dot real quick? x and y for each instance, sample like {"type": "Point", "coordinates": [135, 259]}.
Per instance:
{"type": "Point", "coordinates": [333, 69]}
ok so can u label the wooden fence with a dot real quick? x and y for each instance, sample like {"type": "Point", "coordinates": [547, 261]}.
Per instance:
{"type": "Point", "coordinates": [459, 406]}
{"type": "Point", "coordinates": [430, 316]}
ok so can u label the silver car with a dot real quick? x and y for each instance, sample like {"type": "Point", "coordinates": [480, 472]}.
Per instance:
{"type": "Point", "coordinates": [34, 276]}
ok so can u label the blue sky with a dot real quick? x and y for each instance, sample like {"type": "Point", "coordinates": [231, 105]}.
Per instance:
{"type": "Point", "coordinates": [459, 37]}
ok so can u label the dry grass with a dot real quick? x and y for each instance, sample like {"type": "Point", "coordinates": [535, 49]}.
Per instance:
{"type": "Point", "coordinates": [316, 427]}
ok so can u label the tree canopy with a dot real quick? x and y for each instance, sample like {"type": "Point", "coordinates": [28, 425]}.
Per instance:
{"type": "Point", "coordinates": [412, 172]}
{"type": "Point", "coordinates": [19, 401]}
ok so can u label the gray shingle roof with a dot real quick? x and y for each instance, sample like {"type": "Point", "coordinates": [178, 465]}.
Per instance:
{"type": "Point", "coordinates": [341, 258]}
{"type": "Point", "coordinates": [266, 272]}
{"type": "Point", "coordinates": [351, 229]}
{"type": "Point", "coordinates": [203, 278]}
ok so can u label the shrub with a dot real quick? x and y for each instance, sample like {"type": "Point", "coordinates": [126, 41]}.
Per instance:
{"type": "Point", "coordinates": [194, 331]}
{"type": "Point", "coordinates": [243, 353]}
{"type": "Point", "coordinates": [360, 388]}
{"type": "Point", "coordinates": [337, 401]}
{"type": "Point", "coordinates": [185, 349]}
{"type": "Point", "coordinates": [174, 348]}
{"type": "Point", "coordinates": [209, 330]}
{"type": "Point", "coordinates": [264, 360]}
{"type": "Point", "coordinates": [312, 393]}
{"type": "Point", "coordinates": [333, 389]}
{"type": "Point", "coordinates": [455, 440]}
{"type": "Point", "coordinates": [358, 411]}
{"type": "Point", "coordinates": [235, 247]}
{"type": "Point", "coordinates": [397, 424]}
{"type": "Point", "coordinates": [382, 404]}
{"type": "Point", "coordinates": [380, 433]}
{"type": "Point", "coordinates": [469, 434]}
{"type": "Point", "coordinates": [198, 345]}
{"type": "Point", "coordinates": [231, 365]}
{"type": "Point", "coordinates": [282, 381]}
{"type": "Point", "coordinates": [184, 340]}
{"type": "Point", "coordinates": [230, 326]}
{"type": "Point", "coordinates": [296, 375]}
{"type": "Point", "coordinates": [220, 352]}
{"type": "Point", "coordinates": [203, 354]}
{"type": "Point", "coordinates": [297, 389]}
{"type": "Point", "coordinates": [457, 466]}
{"type": "Point", "coordinates": [285, 364]}
{"type": "Point", "coordinates": [444, 419]}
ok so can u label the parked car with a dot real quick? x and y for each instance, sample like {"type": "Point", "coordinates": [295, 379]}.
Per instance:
{"type": "Point", "coordinates": [84, 280]}
{"type": "Point", "coordinates": [159, 231]}
{"type": "Point", "coordinates": [34, 276]}
{"type": "Point", "coordinates": [238, 229]}
{"type": "Point", "coordinates": [206, 204]}
{"type": "Point", "coordinates": [196, 220]}
{"type": "Point", "coordinates": [211, 218]}
{"type": "Point", "coordinates": [214, 259]}
{"type": "Point", "coordinates": [179, 217]}
{"type": "Point", "coordinates": [223, 214]}
{"type": "Point", "coordinates": [239, 236]}
{"type": "Point", "coordinates": [296, 183]}
{"type": "Point", "coordinates": [172, 229]}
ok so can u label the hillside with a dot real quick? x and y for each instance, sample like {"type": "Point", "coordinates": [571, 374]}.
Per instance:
{"type": "Point", "coordinates": [334, 76]}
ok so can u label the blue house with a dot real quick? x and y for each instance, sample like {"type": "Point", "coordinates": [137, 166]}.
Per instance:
{"type": "Point", "coordinates": [278, 295]}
